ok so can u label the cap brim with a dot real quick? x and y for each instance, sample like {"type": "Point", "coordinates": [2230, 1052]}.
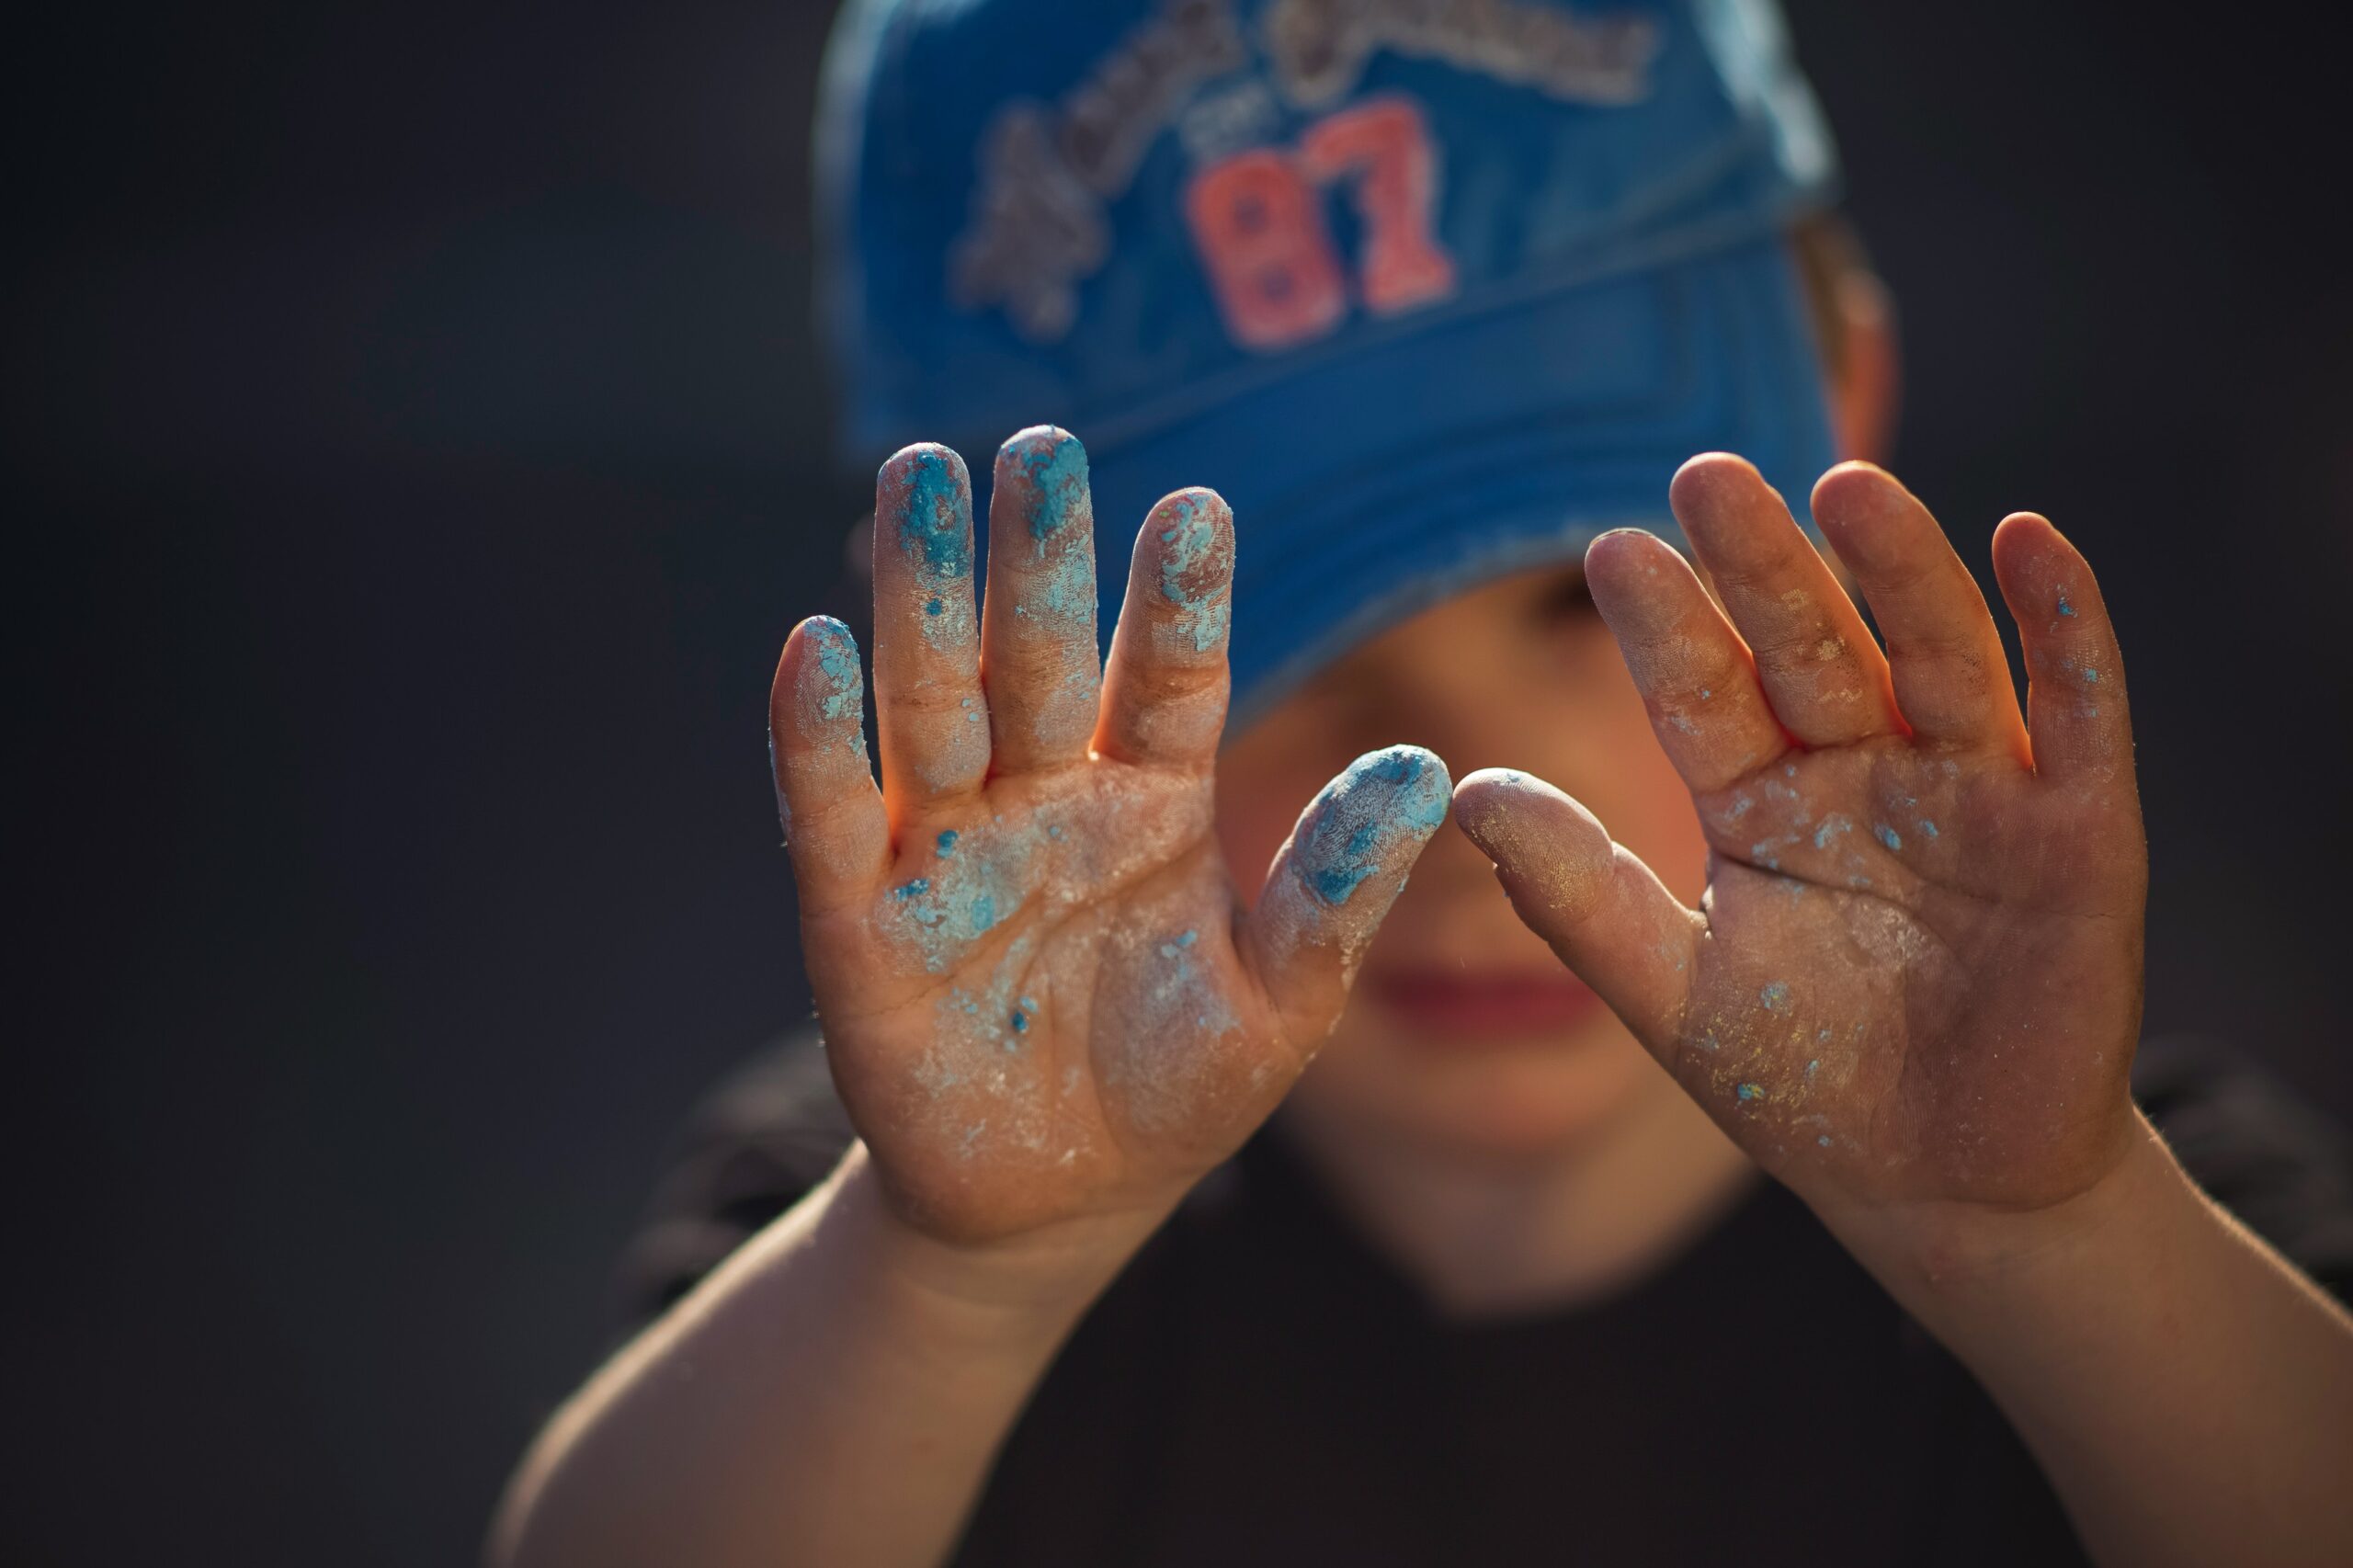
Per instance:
{"type": "Point", "coordinates": [1367, 488]}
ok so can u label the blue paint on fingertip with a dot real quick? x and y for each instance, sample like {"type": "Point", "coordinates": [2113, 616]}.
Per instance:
{"type": "Point", "coordinates": [1775, 996]}
{"type": "Point", "coordinates": [1055, 464]}
{"type": "Point", "coordinates": [1382, 801]}
{"type": "Point", "coordinates": [837, 672]}
{"type": "Point", "coordinates": [1887, 835]}
{"type": "Point", "coordinates": [1191, 533]}
{"type": "Point", "coordinates": [934, 525]}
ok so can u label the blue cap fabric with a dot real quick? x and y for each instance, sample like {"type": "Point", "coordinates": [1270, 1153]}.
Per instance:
{"type": "Point", "coordinates": [1429, 290]}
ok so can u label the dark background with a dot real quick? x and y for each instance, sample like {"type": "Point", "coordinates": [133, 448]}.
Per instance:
{"type": "Point", "coordinates": [416, 450]}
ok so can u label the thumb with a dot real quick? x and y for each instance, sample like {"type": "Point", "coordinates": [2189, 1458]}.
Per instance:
{"type": "Point", "coordinates": [1605, 912]}
{"type": "Point", "coordinates": [1333, 880]}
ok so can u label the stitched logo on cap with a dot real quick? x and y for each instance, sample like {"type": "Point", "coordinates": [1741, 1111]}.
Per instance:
{"type": "Point", "coordinates": [1040, 224]}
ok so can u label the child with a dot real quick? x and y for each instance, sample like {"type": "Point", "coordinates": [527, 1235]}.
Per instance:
{"type": "Point", "coordinates": [1440, 293]}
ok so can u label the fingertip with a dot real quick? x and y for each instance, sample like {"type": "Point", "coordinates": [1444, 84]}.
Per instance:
{"type": "Point", "coordinates": [1723, 502]}
{"type": "Point", "coordinates": [1710, 479]}
{"type": "Point", "coordinates": [1552, 854]}
{"type": "Point", "coordinates": [1620, 563]}
{"type": "Point", "coordinates": [1863, 509]}
{"type": "Point", "coordinates": [2022, 531]}
{"type": "Point", "coordinates": [1044, 468]}
{"type": "Point", "coordinates": [2031, 556]}
{"type": "Point", "coordinates": [1495, 806]}
{"type": "Point", "coordinates": [1334, 880]}
{"type": "Point", "coordinates": [826, 797]}
{"type": "Point", "coordinates": [1038, 443]}
{"type": "Point", "coordinates": [1187, 550]}
{"type": "Point", "coordinates": [919, 462]}
{"type": "Point", "coordinates": [817, 635]}
{"type": "Point", "coordinates": [922, 505]}
{"type": "Point", "coordinates": [1854, 486]}
{"type": "Point", "coordinates": [1620, 545]}
{"type": "Point", "coordinates": [2049, 588]}
{"type": "Point", "coordinates": [1196, 505]}
{"type": "Point", "coordinates": [1623, 553]}
{"type": "Point", "coordinates": [1852, 471]}
{"type": "Point", "coordinates": [1375, 815]}
{"type": "Point", "coordinates": [1492, 790]}
{"type": "Point", "coordinates": [820, 678]}
{"type": "Point", "coordinates": [1418, 777]}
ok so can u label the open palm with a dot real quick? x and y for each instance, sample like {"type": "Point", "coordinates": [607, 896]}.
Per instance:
{"type": "Point", "coordinates": [1916, 975]}
{"type": "Point", "coordinates": [1040, 998]}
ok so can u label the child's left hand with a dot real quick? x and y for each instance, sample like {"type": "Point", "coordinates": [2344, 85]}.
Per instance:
{"type": "Point", "coordinates": [1915, 980]}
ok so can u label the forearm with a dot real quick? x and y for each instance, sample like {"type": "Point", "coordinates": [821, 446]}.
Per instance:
{"type": "Point", "coordinates": [834, 1393]}
{"type": "Point", "coordinates": [2188, 1393]}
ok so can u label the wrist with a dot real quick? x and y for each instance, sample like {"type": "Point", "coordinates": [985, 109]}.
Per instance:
{"type": "Point", "coordinates": [1940, 1256]}
{"type": "Point", "coordinates": [1011, 1291]}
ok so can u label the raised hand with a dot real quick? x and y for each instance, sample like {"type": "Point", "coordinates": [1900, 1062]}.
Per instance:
{"type": "Point", "coordinates": [1915, 975]}
{"type": "Point", "coordinates": [1040, 998]}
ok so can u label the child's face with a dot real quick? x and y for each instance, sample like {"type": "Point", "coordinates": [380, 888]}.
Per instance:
{"type": "Point", "coordinates": [1465, 1030]}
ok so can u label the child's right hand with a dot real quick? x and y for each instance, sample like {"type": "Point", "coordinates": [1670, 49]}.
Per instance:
{"type": "Point", "coordinates": [1040, 997]}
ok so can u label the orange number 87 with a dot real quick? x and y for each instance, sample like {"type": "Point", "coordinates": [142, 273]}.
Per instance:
{"type": "Point", "coordinates": [1258, 221]}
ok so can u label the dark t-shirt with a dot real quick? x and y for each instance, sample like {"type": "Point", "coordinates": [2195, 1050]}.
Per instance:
{"type": "Point", "coordinates": [1259, 1387]}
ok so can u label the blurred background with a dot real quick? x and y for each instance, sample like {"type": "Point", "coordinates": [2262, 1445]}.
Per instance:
{"type": "Point", "coordinates": [416, 450]}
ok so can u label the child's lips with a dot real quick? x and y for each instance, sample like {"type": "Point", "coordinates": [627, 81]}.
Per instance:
{"type": "Point", "coordinates": [1464, 1005]}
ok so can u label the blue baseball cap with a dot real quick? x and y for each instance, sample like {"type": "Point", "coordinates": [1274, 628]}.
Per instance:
{"type": "Point", "coordinates": [1431, 290]}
